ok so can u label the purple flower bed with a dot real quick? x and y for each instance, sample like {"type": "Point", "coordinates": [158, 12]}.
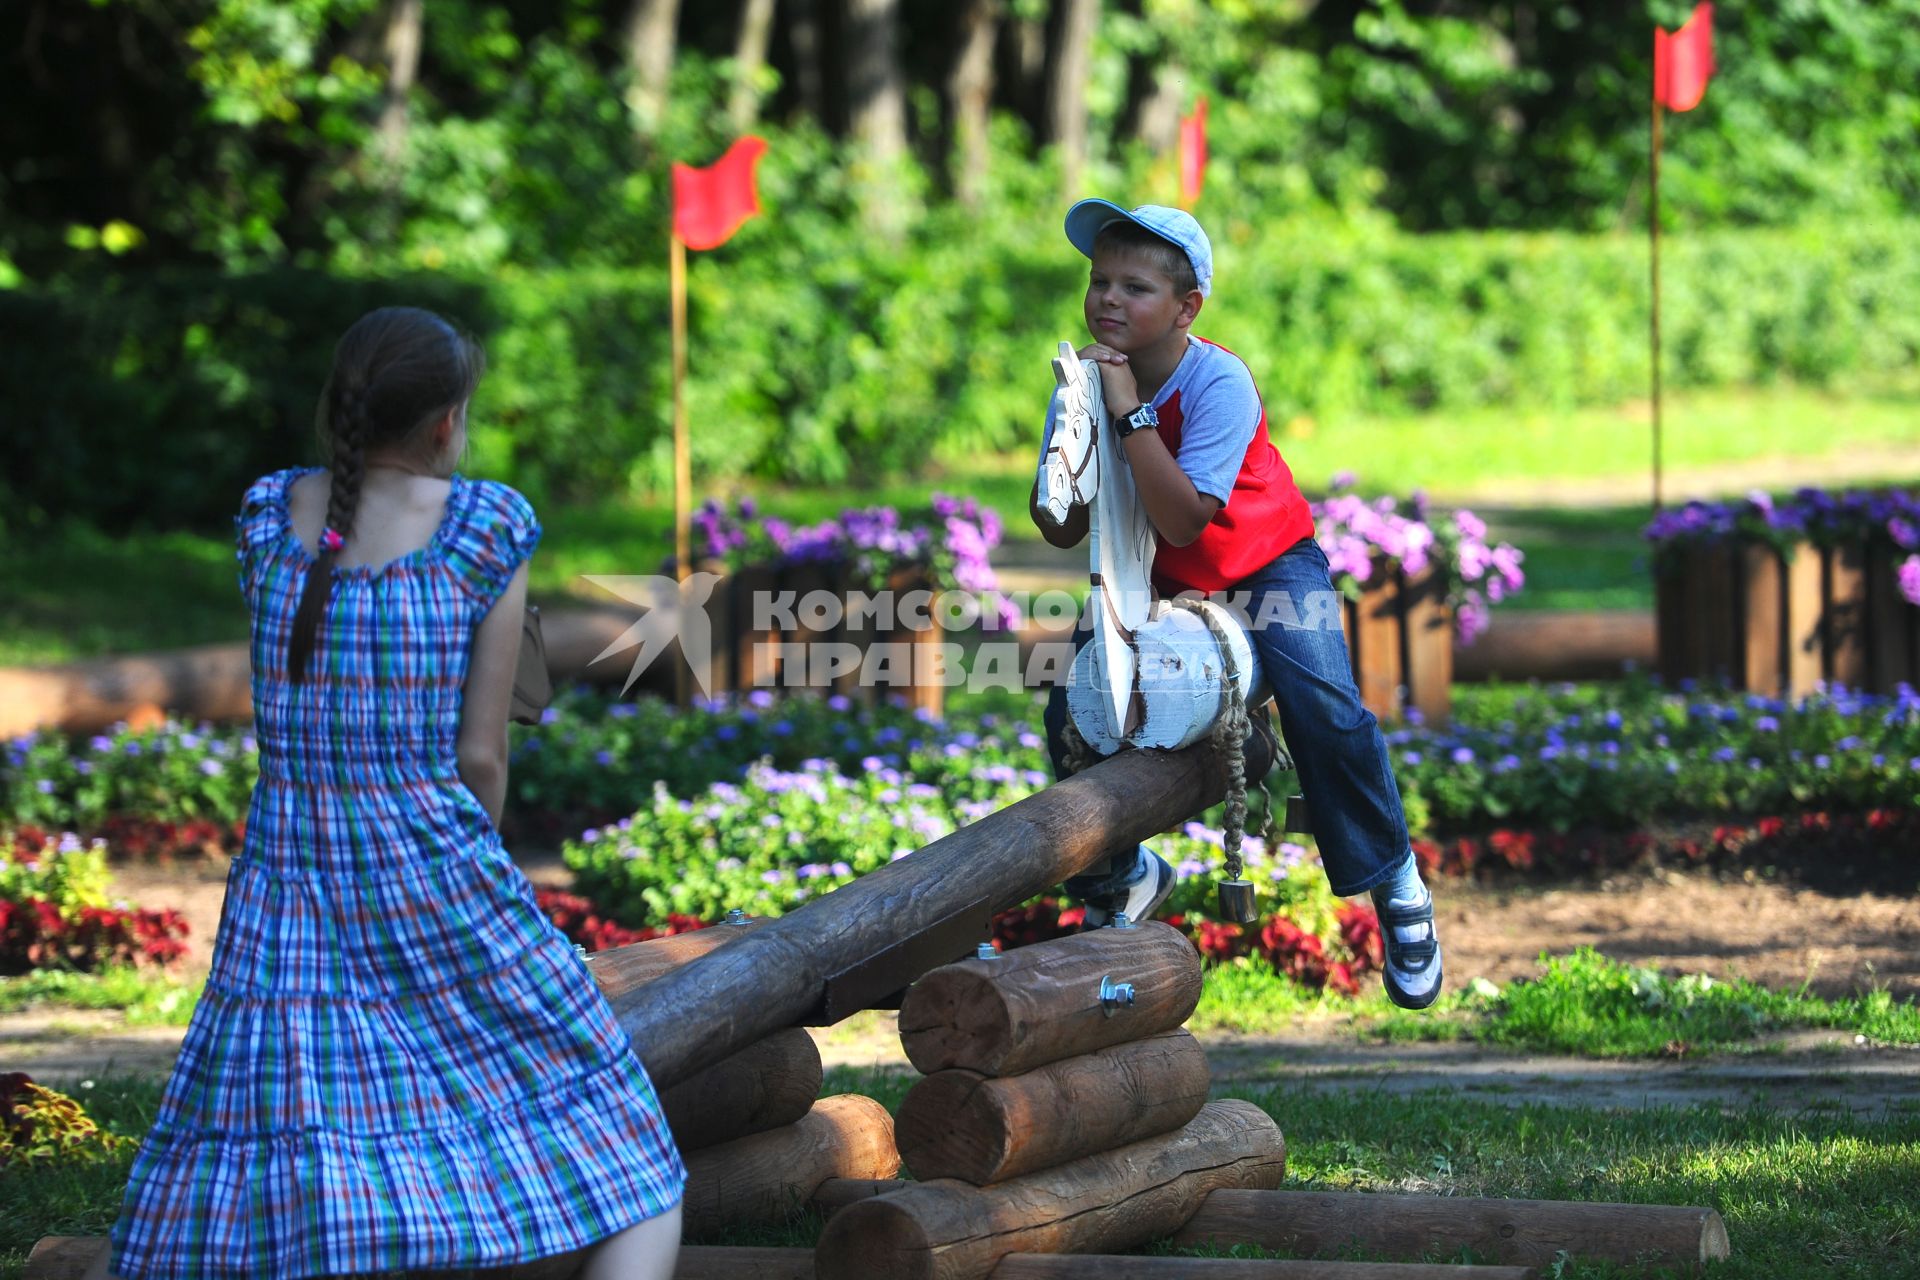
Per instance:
{"type": "Point", "coordinates": [1890, 518]}
{"type": "Point", "coordinates": [952, 542]}
{"type": "Point", "coordinates": [1358, 535]}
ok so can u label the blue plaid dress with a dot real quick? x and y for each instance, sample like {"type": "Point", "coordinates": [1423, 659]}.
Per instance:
{"type": "Point", "coordinates": [399, 1063]}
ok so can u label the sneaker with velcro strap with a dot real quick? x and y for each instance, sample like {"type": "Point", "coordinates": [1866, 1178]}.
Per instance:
{"type": "Point", "coordinates": [1151, 885]}
{"type": "Point", "coordinates": [1412, 971]}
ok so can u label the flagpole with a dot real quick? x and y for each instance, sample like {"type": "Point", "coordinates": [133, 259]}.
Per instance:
{"type": "Point", "coordinates": [682, 451]}
{"type": "Point", "coordinates": [1653, 238]}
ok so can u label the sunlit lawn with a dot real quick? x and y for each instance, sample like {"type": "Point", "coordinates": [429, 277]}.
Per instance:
{"type": "Point", "coordinates": [78, 594]}
{"type": "Point", "coordinates": [1811, 1194]}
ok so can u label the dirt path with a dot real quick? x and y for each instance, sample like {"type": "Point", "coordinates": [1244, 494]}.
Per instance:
{"type": "Point", "coordinates": [1774, 933]}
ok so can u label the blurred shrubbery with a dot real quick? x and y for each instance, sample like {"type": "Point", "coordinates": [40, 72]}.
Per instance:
{"type": "Point", "coordinates": [824, 355]}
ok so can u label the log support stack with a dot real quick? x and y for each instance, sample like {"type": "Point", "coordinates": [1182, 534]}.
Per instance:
{"type": "Point", "coordinates": [1063, 1110]}
{"type": "Point", "coordinates": [757, 1138]}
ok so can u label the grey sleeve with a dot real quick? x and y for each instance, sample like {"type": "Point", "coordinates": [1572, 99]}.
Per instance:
{"type": "Point", "coordinates": [1218, 418]}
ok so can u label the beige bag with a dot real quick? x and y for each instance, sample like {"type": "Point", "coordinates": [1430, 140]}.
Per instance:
{"type": "Point", "coordinates": [532, 682]}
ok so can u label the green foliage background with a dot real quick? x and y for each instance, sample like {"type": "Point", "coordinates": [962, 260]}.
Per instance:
{"type": "Point", "coordinates": [1413, 211]}
{"type": "Point", "coordinates": [186, 384]}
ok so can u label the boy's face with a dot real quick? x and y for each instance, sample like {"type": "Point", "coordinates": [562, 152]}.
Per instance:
{"type": "Point", "coordinates": [1131, 305]}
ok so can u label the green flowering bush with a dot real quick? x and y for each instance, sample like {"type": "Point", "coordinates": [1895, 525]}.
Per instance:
{"type": "Point", "coordinates": [171, 772]}
{"type": "Point", "coordinates": [1623, 754]}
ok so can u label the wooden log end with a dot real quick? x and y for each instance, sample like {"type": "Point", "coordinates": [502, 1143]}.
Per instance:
{"type": "Point", "coordinates": [942, 1132]}
{"type": "Point", "coordinates": [1714, 1245]}
{"type": "Point", "coordinates": [770, 1083]}
{"type": "Point", "coordinates": [766, 1177]}
{"type": "Point", "coordinates": [1040, 1004]}
{"type": "Point", "coordinates": [877, 1237]}
{"type": "Point", "coordinates": [63, 1257]}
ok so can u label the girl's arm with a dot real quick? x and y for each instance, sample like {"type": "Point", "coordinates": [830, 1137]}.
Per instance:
{"type": "Point", "coordinates": [488, 696]}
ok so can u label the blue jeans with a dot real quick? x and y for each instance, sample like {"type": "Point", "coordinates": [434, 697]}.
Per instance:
{"type": "Point", "coordinates": [1337, 747]}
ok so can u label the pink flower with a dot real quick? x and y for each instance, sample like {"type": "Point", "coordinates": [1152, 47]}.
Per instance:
{"type": "Point", "coordinates": [1910, 579]}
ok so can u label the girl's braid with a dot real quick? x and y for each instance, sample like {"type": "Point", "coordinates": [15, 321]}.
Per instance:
{"type": "Point", "coordinates": [348, 423]}
{"type": "Point", "coordinates": [349, 458]}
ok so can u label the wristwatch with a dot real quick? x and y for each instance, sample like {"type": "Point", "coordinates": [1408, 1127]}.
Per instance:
{"type": "Point", "coordinates": [1141, 419]}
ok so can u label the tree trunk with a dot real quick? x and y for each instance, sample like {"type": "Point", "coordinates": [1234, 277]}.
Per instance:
{"type": "Point", "coordinates": [1067, 90]}
{"type": "Point", "coordinates": [749, 56]}
{"type": "Point", "coordinates": [803, 33]}
{"type": "Point", "coordinates": [1029, 53]}
{"type": "Point", "coordinates": [876, 90]}
{"type": "Point", "coordinates": [1156, 121]}
{"type": "Point", "coordinates": [652, 27]}
{"type": "Point", "coordinates": [970, 97]}
{"type": "Point", "coordinates": [402, 48]}
{"type": "Point", "coordinates": [1106, 1203]}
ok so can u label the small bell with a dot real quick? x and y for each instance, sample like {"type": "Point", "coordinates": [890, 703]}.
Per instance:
{"type": "Point", "coordinates": [1299, 820]}
{"type": "Point", "coordinates": [1236, 901]}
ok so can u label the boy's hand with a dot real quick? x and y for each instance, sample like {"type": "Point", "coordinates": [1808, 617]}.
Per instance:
{"type": "Point", "coordinates": [1117, 384]}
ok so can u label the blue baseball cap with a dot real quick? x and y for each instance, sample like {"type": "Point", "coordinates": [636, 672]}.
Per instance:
{"type": "Point", "coordinates": [1177, 226]}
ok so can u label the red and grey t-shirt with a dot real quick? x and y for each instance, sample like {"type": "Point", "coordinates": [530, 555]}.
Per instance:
{"type": "Point", "coordinates": [1213, 423]}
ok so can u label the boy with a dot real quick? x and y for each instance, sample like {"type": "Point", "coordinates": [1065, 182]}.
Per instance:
{"type": "Point", "coordinates": [1228, 518]}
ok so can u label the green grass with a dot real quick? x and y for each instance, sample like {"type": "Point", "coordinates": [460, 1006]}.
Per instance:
{"type": "Point", "coordinates": [1815, 1194]}
{"type": "Point", "coordinates": [76, 1197]}
{"type": "Point", "coordinates": [1585, 1004]}
{"type": "Point", "coordinates": [1497, 454]}
{"type": "Point", "coordinates": [77, 593]}
{"type": "Point", "coordinates": [74, 593]}
{"type": "Point", "coordinates": [147, 999]}
{"type": "Point", "coordinates": [1247, 996]}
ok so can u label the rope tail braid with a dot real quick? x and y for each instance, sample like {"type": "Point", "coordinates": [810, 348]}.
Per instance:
{"type": "Point", "coordinates": [347, 426]}
{"type": "Point", "coordinates": [1229, 739]}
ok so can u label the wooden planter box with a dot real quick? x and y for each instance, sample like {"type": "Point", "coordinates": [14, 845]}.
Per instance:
{"type": "Point", "coordinates": [747, 657]}
{"type": "Point", "coordinates": [1400, 641]}
{"type": "Point", "coordinates": [1777, 625]}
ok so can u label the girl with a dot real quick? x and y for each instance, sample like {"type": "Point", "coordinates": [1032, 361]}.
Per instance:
{"type": "Point", "coordinates": [398, 1064]}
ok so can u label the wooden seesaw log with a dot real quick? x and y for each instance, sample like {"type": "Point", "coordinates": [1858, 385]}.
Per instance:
{"type": "Point", "coordinates": [949, 1230]}
{"type": "Point", "coordinates": [770, 1083]}
{"type": "Point", "coordinates": [1094, 1266]}
{"type": "Point", "coordinates": [765, 1177]}
{"type": "Point", "coordinates": [1042, 1003]}
{"type": "Point", "coordinates": [1521, 1232]}
{"type": "Point", "coordinates": [961, 1124]}
{"type": "Point", "coordinates": [622, 970]}
{"type": "Point", "coordinates": [776, 975]}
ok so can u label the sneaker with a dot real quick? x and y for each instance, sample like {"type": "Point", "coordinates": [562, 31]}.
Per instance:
{"type": "Point", "coordinates": [1140, 899]}
{"type": "Point", "coordinates": [1412, 971]}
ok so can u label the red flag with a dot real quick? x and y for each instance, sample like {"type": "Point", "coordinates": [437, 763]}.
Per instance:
{"type": "Point", "coordinates": [1193, 153]}
{"type": "Point", "coordinates": [1683, 61]}
{"type": "Point", "coordinates": [710, 204]}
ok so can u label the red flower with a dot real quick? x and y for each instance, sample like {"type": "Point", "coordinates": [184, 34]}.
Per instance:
{"type": "Point", "coordinates": [1515, 848]}
{"type": "Point", "coordinates": [1360, 930]}
{"type": "Point", "coordinates": [1217, 940]}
